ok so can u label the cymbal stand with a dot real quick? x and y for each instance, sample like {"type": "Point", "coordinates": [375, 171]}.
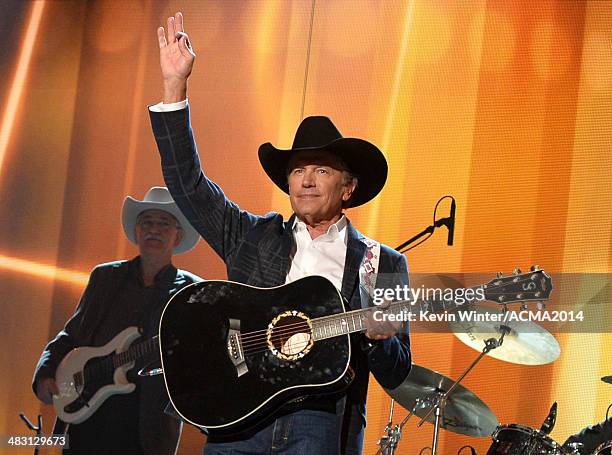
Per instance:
{"type": "Point", "coordinates": [439, 399]}
{"type": "Point", "coordinates": [388, 443]}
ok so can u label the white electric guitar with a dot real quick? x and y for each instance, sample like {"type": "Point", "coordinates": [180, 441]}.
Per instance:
{"type": "Point", "coordinates": [87, 376]}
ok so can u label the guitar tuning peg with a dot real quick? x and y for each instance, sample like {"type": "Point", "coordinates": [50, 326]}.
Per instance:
{"type": "Point", "coordinates": [516, 271]}
{"type": "Point", "coordinates": [535, 268]}
{"type": "Point", "coordinates": [541, 306]}
{"type": "Point", "coordinates": [499, 275]}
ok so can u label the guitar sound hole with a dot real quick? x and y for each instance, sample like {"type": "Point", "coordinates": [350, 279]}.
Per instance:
{"type": "Point", "coordinates": [290, 336]}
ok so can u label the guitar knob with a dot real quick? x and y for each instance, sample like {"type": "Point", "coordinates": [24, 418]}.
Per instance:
{"type": "Point", "coordinates": [516, 271]}
{"type": "Point", "coordinates": [524, 307]}
{"type": "Point", "coordinates": [535, 268]}
{"type": "Point", "coordinates": [541, 306]}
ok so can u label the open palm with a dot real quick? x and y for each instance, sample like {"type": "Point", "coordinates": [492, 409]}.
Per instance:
{"type": "Point", "coordinates": [176, 56]}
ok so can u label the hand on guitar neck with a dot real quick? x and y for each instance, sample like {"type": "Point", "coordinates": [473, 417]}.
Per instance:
{"type": "Point", "coordinates": [45, 390]}
{"type": "Point", "coordinates": [377, 329]}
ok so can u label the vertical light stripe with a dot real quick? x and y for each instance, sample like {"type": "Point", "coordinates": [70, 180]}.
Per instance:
{"type": "Point", "coordinates": [135, 123]}
{"type": "Point", "coordinates": [587, 240]}
{"type": "Point", "coordinates": [293, 83]}
{"type": "Point", "coordinates": [400, 68]}
{"type": "Point", "coordinates": [265, 37]}
{"type": "Point", "coordinates": [17, 86]}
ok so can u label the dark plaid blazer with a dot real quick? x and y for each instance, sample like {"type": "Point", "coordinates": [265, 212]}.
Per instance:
{"type": "Point", "coordinates": [257, 250]}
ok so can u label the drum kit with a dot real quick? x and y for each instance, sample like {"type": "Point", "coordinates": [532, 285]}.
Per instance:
{"type": "Point", "coordinates": [446, 404]}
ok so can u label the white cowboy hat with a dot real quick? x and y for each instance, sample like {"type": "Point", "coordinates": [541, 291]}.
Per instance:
{"type": "Point", "coordinates": [157, 198]}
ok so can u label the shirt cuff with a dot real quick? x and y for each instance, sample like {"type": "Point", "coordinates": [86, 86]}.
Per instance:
{"type": "Point", "coordinates": [161, 107]}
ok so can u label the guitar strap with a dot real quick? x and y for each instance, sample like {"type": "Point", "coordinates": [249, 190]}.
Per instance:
{"type": "Point", "coordinates": [368, 272]}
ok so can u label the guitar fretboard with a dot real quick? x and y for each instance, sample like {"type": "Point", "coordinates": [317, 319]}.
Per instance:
{"type": "Point", "coordinates": [355, 321]}
{"type": "Point", "coordinates": [106, 365]}
{"type": "Point", "coordinates": [135, 351]}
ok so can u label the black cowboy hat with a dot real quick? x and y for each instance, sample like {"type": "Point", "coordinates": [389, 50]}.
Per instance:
{"type": "Point", "coordinates": [318, 133]}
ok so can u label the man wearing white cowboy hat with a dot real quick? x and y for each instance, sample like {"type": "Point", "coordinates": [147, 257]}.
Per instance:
{"type": "Point", "coordinates": [119, 295]}
{"type": "Point", "coordinates": [323, 173]}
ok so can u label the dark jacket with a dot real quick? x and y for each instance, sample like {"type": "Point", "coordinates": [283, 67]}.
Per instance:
{"type": "Point", "coordinates": [160, 432]}
{"type": "Point", "coordinates": [257, 251]}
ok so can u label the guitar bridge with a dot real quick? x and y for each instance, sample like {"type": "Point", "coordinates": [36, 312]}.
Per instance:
{"type": "Point", "coordinates": [234, 347]}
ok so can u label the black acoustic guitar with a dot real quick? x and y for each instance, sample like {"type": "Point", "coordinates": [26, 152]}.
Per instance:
{"type": "Point", "coordinates": [234, 354]}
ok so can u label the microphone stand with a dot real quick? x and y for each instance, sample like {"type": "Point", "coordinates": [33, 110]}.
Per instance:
{"type": "Point", "coordinates": [439, 399]}
{"type": "Point", "coordinates": [428, 230]}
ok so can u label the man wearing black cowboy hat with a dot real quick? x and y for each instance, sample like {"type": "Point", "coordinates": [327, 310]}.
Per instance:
{"type": "Point", "coordinates": [120, 295]}
{"type": "Point", "coordinates": [323, 173]}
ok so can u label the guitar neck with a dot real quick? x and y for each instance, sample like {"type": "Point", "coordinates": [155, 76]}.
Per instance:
{"type": "Point", "coordinates": [135, 351]}
{"type": "Point", "coordinates": [520, 287]}
{"type": "Point", "coordinates": [355, 321]}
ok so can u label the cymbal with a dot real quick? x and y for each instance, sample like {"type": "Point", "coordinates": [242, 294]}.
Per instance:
{"type": "Point", "coordinates": [464, 412]}
{"type": "Point", "coordinates": [527, 343]}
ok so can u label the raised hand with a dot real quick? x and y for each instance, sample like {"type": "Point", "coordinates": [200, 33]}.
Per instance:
{"type": "Point", "coordinates": [176, 59]}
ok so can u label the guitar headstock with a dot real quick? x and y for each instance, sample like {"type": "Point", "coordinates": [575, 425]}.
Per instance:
{"type": "Point", "coordinates": [535, 285]}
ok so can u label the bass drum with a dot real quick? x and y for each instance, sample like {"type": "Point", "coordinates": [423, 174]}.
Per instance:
{"type": "Point", "coordinates": [604, 449]}
{"type": "Point", "coordinates": [521, 440]}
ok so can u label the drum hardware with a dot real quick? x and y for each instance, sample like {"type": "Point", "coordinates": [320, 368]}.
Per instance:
{"type": "Point", "coordinates": [388, 443]}
{"type": "Point", "coordinates": [440, 398]}
{"type": "Point", "coordinates": [574, 447]}
{"type": "Point", "coordinates": [516, 439]}
{"type": "Point", "coordinates": [426, 392]}
{"type": "Point", "coordinates": [551, 419]}
{"type": "Point", "coordinates": [522, 440]}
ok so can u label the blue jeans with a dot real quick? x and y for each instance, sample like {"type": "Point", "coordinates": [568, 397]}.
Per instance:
{"type": "Point", "coordinates": [303, 432]}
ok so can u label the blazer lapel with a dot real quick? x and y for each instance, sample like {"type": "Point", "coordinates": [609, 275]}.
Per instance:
{"type": "Point", "coordinates": [287, 246]}
{"type": "Point", "coordinates": [355, 250]}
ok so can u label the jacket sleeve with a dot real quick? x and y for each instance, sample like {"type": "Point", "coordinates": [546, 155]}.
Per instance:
{"type": "Point", "coordinates": [67, 339]}
{"type": "Point", "coordinates": [218, 220]}
{"type": "Point", "coordinates": [390, 360]}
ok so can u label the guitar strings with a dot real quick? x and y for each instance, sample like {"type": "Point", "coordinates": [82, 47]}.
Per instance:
{"type": "Point", "coordinates": [108, 364]}
{"type": "Point", "coordinates": [254, 343]}
{"type": "Point", "coordinates": [257, 341]}
{"type": "Point", "coordinates": [290, 329]}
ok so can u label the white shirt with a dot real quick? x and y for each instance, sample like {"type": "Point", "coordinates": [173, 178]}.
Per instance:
{"type": "Point", "coordinates": [322, 256]}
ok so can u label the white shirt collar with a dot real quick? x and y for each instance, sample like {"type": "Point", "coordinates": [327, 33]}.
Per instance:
{"type": "Point", "coordinates": [338, 229]}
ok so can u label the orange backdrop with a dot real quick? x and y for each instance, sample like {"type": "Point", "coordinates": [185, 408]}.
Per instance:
{"type": "Point", "coordinates": [506, 105]}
